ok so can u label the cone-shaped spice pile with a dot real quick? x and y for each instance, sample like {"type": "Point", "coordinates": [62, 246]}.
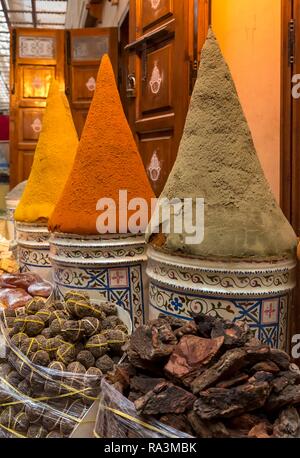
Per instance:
{"type": "Point", "coordinates": [53, 160]}
{"type": "Point", "coordinates": [217, 161]}
{"type": "Point", "coordinates": [107, 161]}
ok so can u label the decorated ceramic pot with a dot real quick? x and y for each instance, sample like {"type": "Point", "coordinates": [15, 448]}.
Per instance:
{"type": "Point", "coordinates": [12, 200]}
{"type": "Point", "coordinates": [258, 293]}
{"type": "Point", "coordinates": [33, 249]}
{"type": "Point", "coordinates": [106, 267]}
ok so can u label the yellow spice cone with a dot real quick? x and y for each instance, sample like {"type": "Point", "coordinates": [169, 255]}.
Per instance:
{"type": "Point", "coordinates": [53, 160]}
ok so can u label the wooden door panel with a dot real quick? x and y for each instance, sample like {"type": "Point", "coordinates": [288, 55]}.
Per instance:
{"type": "Point", "coordinates": [37, 46]}
{"type": "Point", "coordinates": [165, 41]}
{"type": "Point", "coordinates": [25, 161]}
{"type": "Point", "coordinates": [37, 56]}
{"type": "Point", "coordinates": [83, 83]}
{"type": "Point", "coordinates": [79, 117]}
{"type": "Point", "coordinates": [155, 10]}
{"type": "Point", "coordinates": [85, 50]}
{"type": "Point", "coordinates": [30, 125]}
{"type": "Point", "coordinates": [157, 89]}
{"type": "Point", "coordinates": [157, 156]}
{"type": "Point", "coordinates": [35, 82]}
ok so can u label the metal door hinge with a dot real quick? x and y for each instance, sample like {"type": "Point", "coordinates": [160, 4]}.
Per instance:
{"type": "Point", "coordinates": [292, 41]}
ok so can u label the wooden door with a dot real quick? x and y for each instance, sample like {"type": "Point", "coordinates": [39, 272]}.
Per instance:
{"type": "Point", "coordinates": [165, 39]}
{"type": "Point", "coordinates": [85, 48]}
{"type": "Point", "coordinates": [37, 56]}
{"type": "Point", "coordinates": [290, 131]}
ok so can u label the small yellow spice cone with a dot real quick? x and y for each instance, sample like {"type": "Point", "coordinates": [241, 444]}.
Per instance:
{"type": "Point", "coordinates": [53, 160]}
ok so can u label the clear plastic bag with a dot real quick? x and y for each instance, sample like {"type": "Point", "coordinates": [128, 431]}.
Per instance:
{"type": "Point", "coordinates": [117, 418]}
{"type": "Point", "coordinates": [36, 401]}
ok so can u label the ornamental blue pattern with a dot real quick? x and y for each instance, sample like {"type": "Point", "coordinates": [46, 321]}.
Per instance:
{"type": "Point", "coordinates": [122, 284]}
{"type": "Point", "coordinates": [267, 317]}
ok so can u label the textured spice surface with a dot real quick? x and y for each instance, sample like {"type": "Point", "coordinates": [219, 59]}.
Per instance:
{"type": "Point", "coordinates": [107, 161]}
{"type": "Point", "coordinates": [54, 157]}
{"type": "Point", "coordinates": [217, 161]}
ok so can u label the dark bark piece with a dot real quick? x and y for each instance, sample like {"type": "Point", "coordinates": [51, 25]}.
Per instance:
{"type": "Point", "coordinates": [238, 380]}
{"type": "Point", "coordinates": [289, 396]}
{"type": "Point", "coordinates": [121, 375]}
{"type": "Point", "coordinates": [266, 366]}
{"type": "Point", "coordinates": [284, 379]}
{"type": "Point", "coordinates": [178, 422]}
{"type": "Point", "coordinates": [261, 431]}
{"type": "Point", "coordinates": [281, 358]}
{"type": "Point", "coordinates": [199, 426]}
{"type": "Point", "coordinates": [151, 343]}
{"type": "Point", "coordinates": [245, 422]}
{"type": "Point", "coordinates": [134, 396]}
{"type": "Point", "coordinates": [189, 328]}
{"type": "Point", "coordinates": [235, 334]}
{"type": "Point", "coordinates": [175, 323]}
{"type": "Point", "coordinates": [253, 342]}
{"type": "Point", "coordinates": [217, 403]}
{"type": "Point", "coordinates": [262, 376]}
{"type": "Point", "coordinates": [258, 354]}
{"type": "Point", "coordinates": [143, 384]}
{"type": "Point", "coordinates": [165, 398]}
{"type": "Point", "coordinates": [204, 324]}
{"type": "Point", "coordinates": [288, 424]}
{"type": "Point", "coordinates": [191, 355]}
{"type": "Point", "coordinates": [229, 364]}
{"type": "Point", "coordinates": [207, 430]}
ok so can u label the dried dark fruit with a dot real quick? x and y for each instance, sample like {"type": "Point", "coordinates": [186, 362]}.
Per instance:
{"type": "Point", "coordinates": [93, 376]}
{"type": "Point", "coordinates": [29, 346]}
{"type": "Point", "coordinates": [56, 327]}
{"type": "Point", "coordinates": [19, 339]}
{"type": "Point", "coordinates": [54, 435]}
{"type": "Point", "coordinates": [36, 432]}
{"type": "Point", "coordinates": [33, 306]}
{"type": "Point", "coordinates": [46, 333]}
{"type": "Point", "coordinates": [34, 413]}
{"type": "Point", "coordinates": [76, 368]}
{"type": "Point", "coordinates": [20, 423]}
{"type": "Point", "coordinates": [86, 358]}
{"type": "Point", "coordinates": [44, 314]}
{"type": "Point", "coordinates": [41, 358]}
{"type": "Point", "coordinates": [66, 353]}
{"type": "Point", "coordinates": [91, 326]}
{"type": "Point", "coordinates": [111, 322]}
{"type": "Point", "coordinates": [5, 369]}
{"type": "Point", "coordinates": [97, 345]}
{"type": "Point", "coordinates": [109, 308]}
{"type": "Point", "coordinates": [85, 309]}
{"type": "Point", "coordinates": [14, 378]}
{"type": "Point", "coordinates": [115, 339]}
{"type": "Point", "coordinates": [33, 325]}
{"type": "Point", "coordinates": [72, 331]}
{"type": "Point", "coordinates": [105, 364]}
{"type": "Point", "coordinates": [59, 315]}
{"type": "Point", "coordinates": [57, 366]}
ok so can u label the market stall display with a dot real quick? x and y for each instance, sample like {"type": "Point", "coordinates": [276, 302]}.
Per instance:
{"type": "Point", "coordinates": [16, 289]}
{"type": "Point", "coordinates": [244, 265]}
{"type": "Point", "coordinates": [53, 160]}
{"type": "Point", "coordinates": [85, 252]}
{"type": "Point", "coordinates": [55, 357]}
{"type": "Point", "coordinates": [208, 378]}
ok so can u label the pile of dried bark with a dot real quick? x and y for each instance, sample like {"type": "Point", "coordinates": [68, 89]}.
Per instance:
{"type": "Point", "coordinates": [210, 378]}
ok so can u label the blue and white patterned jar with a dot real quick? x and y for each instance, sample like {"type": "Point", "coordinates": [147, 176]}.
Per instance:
{"type": "Point", "coordinates": [258, 293]}
{"type": "Point", "coordinates": [33, 249]}
{"type": "Point", "coordinates": [110, 267]}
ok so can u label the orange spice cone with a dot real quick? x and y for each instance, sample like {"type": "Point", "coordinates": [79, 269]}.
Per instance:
{"type": "Point", "coordinates": [107, 161]}
{"type": "Point", "coordinates": [53, 160]}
